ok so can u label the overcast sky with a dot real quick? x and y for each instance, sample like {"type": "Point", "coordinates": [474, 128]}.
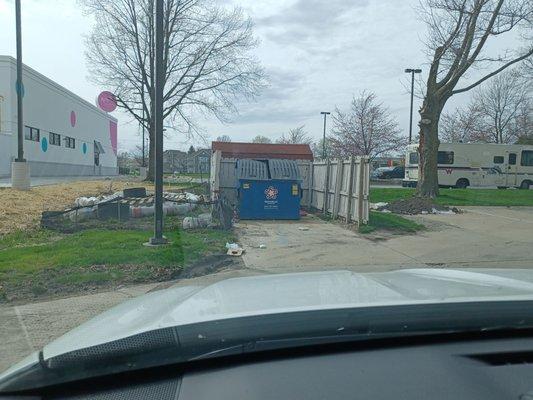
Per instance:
{"type": "Point", "coordinates": [317, 54]}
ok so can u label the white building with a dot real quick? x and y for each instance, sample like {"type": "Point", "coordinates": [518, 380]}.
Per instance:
{"type": "Point", "coordinates": [63, 134]}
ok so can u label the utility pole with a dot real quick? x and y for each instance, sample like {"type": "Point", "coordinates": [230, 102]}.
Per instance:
{"type": "Point", "coordinates": [158, 238]}
{"type": "Point", "coordinates": [20, 171]}
{"type": "Point", "coordinates": [142, 126]}
{"type": "Point", "coordinates": [325, 114]}
{"type": "Point", "coordinates": [412, 72]}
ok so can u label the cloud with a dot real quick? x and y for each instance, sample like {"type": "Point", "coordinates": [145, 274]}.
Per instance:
{"type": "Point", "coordinates": [308, 21]}
{"type": "Point", "coordinates": [278, 101]}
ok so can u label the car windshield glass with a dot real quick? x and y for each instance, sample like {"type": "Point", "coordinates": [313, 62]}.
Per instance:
{"type": "Point", "coordinates": [169, 166]}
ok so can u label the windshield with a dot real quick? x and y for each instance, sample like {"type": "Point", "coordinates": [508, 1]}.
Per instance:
{"type": "Point", "coordinates": [305, 156]}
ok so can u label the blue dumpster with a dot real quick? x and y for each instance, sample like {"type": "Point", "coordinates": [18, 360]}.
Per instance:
{"type": "Point", "coordinates": [268, 189]}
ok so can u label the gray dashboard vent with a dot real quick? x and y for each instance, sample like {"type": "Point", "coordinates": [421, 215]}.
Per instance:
{"type": "Point", "coordinates": [141, 343]}
{"type": "Point", "coordinates": [166, 389]}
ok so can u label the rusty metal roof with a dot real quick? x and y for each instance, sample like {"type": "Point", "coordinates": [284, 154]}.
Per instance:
{"type": "Point", "coordinates": [264, 151]}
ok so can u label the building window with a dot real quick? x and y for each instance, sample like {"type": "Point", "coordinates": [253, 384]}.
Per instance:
{"type": "Point", "coordinates": [527, 158]}
{"type": "Point", "coordinates": [413, 158]}
{"type": "Point", "coordinates": [498, 159]}
{"type": "Point", "coordinates": [32, 134]}
{"type": "Point", "coordinates": [512, 159]}
{"type": "Point", "coordinates": [445, 157]}
{"type": "Point", "coordinates": [54, 139]}
{"type": "Point", "coordinates": [70, 142]}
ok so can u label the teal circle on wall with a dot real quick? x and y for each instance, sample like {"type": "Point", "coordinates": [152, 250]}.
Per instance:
{"type": "Point", "coordinates": [84, 148]}
{"type": "Point", "coordinates": [44, 144]}
{"type": "Point", "coordinates": [19, 88]}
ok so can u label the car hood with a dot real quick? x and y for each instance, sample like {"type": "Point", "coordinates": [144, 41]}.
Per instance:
{"type": "Point", "coordinates": [277, 294]}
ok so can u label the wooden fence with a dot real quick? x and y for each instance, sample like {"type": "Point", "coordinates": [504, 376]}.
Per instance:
{"type": "Point", "coordinates": [338, 188]}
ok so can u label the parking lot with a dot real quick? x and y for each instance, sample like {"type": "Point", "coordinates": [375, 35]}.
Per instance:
{"type": "Point", "coordinates": [481, 237]}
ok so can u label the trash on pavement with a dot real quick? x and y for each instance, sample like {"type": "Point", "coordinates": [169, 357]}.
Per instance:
{"type": "Point", "coordinates": [262, 246]}
{"type": "Point", "coordinates": [235, 252]}
{"type": "Point", "coordinates": [303, 228]}
{"type": "Point", "coordinates": [234, 249]}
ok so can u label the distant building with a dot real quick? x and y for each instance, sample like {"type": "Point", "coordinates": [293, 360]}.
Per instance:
{"type": "Point", "coordinates": [263, 151]}
{"type": "Point", "coordinates": [199, 162]}
{"type": "Point", "coordinates": [63, 134]}
{"type": "Point", "coordinates": [181, 162]}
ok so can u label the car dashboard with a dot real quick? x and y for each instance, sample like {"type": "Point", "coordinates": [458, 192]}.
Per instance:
{"type": "Point", "coordinates": [495, 368]}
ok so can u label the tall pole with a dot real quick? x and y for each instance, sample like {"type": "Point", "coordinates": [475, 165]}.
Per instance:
{"type": "Point", "coordinates": [325, 113]}
{"type": "Point", "coordinates": [19, 86]}
{"type": "Point", "coordinates": [142, 126]}
{"type": "Point", "coordinates": [412, 72]}
{"type": "Point", "coordinates": [158, 116]}
{"type": "Point", "coordinates": [411, 110]}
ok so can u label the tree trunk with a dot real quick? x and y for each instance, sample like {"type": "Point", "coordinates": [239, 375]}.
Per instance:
{"type": "Point", "coordinates": [428, 183]}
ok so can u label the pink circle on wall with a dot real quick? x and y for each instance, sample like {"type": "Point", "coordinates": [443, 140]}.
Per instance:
{"type": "Point", "coordinates": [107, 101]}
{"type": "Point", "coordinates": [73, 119]}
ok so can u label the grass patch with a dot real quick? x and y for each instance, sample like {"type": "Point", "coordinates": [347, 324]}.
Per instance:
{"type": "Point", "coordinates": [460, 197]}
{"type": "Point", "coordinates": [389, 222]}
{"type": "Point", "coordinates": [38, 261]}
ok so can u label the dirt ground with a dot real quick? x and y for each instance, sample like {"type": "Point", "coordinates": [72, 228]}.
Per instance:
{"type": "Point", "coordinates": [20, 210]}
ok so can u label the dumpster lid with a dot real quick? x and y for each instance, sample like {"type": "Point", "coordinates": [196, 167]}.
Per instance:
{"type": "Point", "coordinates": [252, 169]}
{"type": "Point", "coordinates": [284, 169]}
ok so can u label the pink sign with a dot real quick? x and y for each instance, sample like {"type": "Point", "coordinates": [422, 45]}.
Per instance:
{"type": "Point", "coordinates": [113, 133]}
{"type": "Point", "coordinates": [73, 119]}
{"type": "Point", "coordinates": [107, 101]}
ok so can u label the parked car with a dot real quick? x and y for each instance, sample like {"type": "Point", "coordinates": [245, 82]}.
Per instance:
{"type": "Point", "coordinates": [397, 172]}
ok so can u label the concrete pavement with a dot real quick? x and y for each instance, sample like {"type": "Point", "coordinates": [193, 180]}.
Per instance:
{"type": "Point", "coordinates": [481, 237]}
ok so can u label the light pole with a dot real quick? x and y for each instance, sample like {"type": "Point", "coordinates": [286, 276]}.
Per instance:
{"type": "Point", "coordinates": [142, 126]}
{"type": "Point", "coordinates": [412, 72]}
{"type": "Point", "coordinates": [158, 238]}
{"type": "Point", "coordinates": [325, 114]}
{"type": "Point", "coordinates": [20, 172]}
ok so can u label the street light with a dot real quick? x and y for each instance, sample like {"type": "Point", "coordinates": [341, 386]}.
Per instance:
{"type": "Point", "coordinates": [412, 72]}
{"type": "Point", "coordinates": [325, 114]}
{"type": "Point", "coordinates": [20, 173]}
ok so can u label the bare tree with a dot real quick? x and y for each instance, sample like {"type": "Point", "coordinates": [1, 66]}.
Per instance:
{"type": "Point", "coordinates": [223, 138]}
{"type": "Point", "coordinates": [318, 149]}
{"type": "Point", "coordinates": [463, 125]}
{"type": "Point", "coordinates": [459, 31]}
{"type": "Point", "coordinates": [523, 123]}
{"type": "Point", "coordinates": [499, 112]}
{"type": "Point", "coordinates": [261, 139]}
{"type": "Point", "coordinates": [366, 129]}
{"type": "Point", "coordinates": [295, 136]}
{"type": "Point", "coordinates": [500, 104]}
{"type": "Point", "coordinates": [207, 62]}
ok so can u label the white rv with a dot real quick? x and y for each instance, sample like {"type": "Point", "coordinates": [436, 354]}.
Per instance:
{"type": "Point", "coordinates": [462, 165]}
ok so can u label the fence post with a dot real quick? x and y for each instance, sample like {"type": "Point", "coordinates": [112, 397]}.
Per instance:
{"type": "Point", "coordinates": [326, 189]}
{"type": "Point", "coordinates": [361, 188]}
{"type": "Point", "coordinates": [350, 190]}
{"type": "Point", "coordinates": [310, 185]}
{"type": "Point", "coordinates": [338, 185]}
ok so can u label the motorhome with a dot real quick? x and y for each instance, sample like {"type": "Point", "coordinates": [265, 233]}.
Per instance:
{"type": "Point", "coordinates": [462, 165]}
